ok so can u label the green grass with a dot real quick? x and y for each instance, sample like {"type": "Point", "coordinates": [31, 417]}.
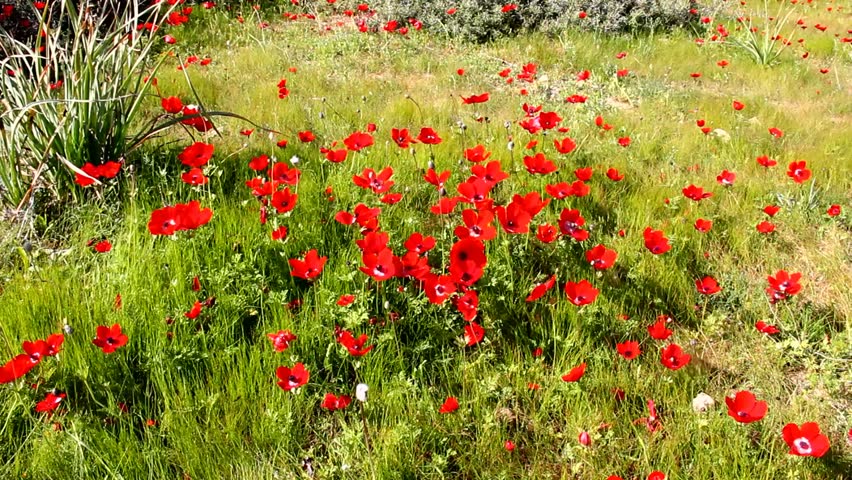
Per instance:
{"type": "Point", "coordinates": [209, 384]}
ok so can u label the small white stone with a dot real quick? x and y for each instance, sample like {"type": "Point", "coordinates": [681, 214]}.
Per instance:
{"type": "Point", "coordinates": [722, 135]}
{"type": "Point", "coordinates": [702, 402]}
{"type": "Point", "coordinates": [361, 392]}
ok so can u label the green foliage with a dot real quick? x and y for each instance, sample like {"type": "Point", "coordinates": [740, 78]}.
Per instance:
{"type": "Point", "coordinates": [763, 41]}
{"type": "Point", "coordinates": [480, 21]}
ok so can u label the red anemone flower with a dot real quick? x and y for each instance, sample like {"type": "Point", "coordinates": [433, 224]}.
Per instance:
{"type": "Point", "coordinates": [538, 164]}
{"type": "Point", "coordinates": [419, 244]}
{"type": "Point", "coordinates": [335, 156]}
{"type": "Point", "coordinates": [310, 268]}
{"type": "Point", "coordinates": [798, 171]}
{"type": "Point", "coordinates": [673, 357]}
{"type": "Point", "coordinates": [345, 300]}
{"type": "Point", "coordinates": [726, 178]}
{"type": "Point", "coordinates": [358, 141]}
{"type": "Point", "coordinates": [766, 162]}
{"type": "Point", "coordinates": [745, 408]}
{"type": "Point", "coordinates": [565, 146]}
{"type": "Point", "coordinates": [656, 241]}
{"type": "Point", "coordinates": [89, 169]}
{"type": "Point", "coordinates": [559, 190]}
{"type": "Point", "coordinates": [279, 233]}
{"type": "Point", "coordinates": [601, 257]}
{"type": "Point", "coordinates": [401, 137]}
{"type": "Point", "coordinates": [771, 210]}
{"type": "Point", "coordinates": [514, 218]}
{"type": "Point", "coordinates": [103, 246]}
{"type": "Point", "coordinates": [473, 333]}
{"type": "Point", "coordinates": [805, 440]}
{"type": "Point", "coordinates": [436, 179]}
{"type": "Point", "coordinates": [428, 136]}
{"type": "Point", "coordinates": [467, 260]}
{"type": "Point", "coordinates": [491, 173]}
{"type": "Point", "coordinates": [476, 154]}
{"type": "Point", "coordinates": [766, 328]}
{"type": "Point", "coordinates": [109, 339]}
{"type": "Point", "coordinates": [467, 305]}
{"type": "Point", "coordinates": [703, 225]}
{"type": "Point", "coordinates": [354, 345]}
{"type": "Point", "coordinates": [196, 155]}
{"type": "Point", "coordinates": [783, 285]}
{"type": "Point", "coordinates": [765, 227]}
{"type": "Point", "coordinates": [581, 293]}
{"type": "Point", "coordinates": [696, 193]}
{"type": "Point", "coordinates": [53, 344]}
{"type": "Point", "coordinates": [575, 374]}
{"type": "Point", "coordinates": [281, 339]}
{"type": "Point", "coordinates": [438, 288]}
{"type": "Point", "coordinates": [539, 290]}
{"type": "Point", "coordinates": [547, 233]}
{"type": "Point", "coordinates": [629, 349]}
{"type": "Point", "coordinates": [192, 216]}
{"type": "Point", "coordinates": [194, 177]}
{"type": "Point", "coordinates": [584, 174]}
{"type": "Point", "coordinates": [451, 404]}
{"type": "Point", "coordinates": [377, 182]}
{"type": "Point", "coordinates": [477, 224]}
{"type": "Point", "coordinates": [292, 378]}
{"type": "Point", "coordinates": [707, 286]}
{"type": "Point", "coordinates": [172, 104]}
{"type": "Point", "coordinates": [306, 136]}
{"type": "Point", "coordinates": [168, 220]}
{"type": "Point", "coordinates": [50, 403]}
{"type": "Point", "coordinates": [659, 330]}
{"type": "Point", "coordinates": [476, 99]}
{"type": "Point", "coordinates": [570, 223]}
{"type": "Point", "coordinates": [332, 402]}
{"type": "Point", "coordinates": [379, 265]}
{"type": "Point", "coordinates": [193, 313]}
{"type": "Point", "coordinates": [283, 200]}
{"type": "Point", "coordinates": [833, 210]}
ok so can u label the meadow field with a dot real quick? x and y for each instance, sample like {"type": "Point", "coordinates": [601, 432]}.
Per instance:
{"type": "Point", "coordinates": [370, 250]}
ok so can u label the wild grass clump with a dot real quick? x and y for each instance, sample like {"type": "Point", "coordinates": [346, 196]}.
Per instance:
{"type": "Point", "coordinates": [73, 95]}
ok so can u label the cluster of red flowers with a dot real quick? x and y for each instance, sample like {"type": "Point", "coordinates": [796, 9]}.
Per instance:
{"type": "Point", "coordinates": [267, 188]}
{"type": "Point", "coordinates": [182, 216]}
{"type": "Point", "coordinates": [95, 172]}
{"type": "Point", "coordinates": [453, 276]}
{"type": "Point", "coordinates": [34, 353]}
{"type": "Point", "coordinates": [195, 157]}
{"type": "Point", "coordinates": [783, 285]}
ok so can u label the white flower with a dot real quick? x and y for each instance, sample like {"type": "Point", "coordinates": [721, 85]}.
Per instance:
{"type": "Point", "coordinates": [361, 392]}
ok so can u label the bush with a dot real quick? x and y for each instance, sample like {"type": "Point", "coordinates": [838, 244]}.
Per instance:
{"type": "Point", "coordinates": [484, 20]}
{"type": "Point", "coordinates": [71, 95]}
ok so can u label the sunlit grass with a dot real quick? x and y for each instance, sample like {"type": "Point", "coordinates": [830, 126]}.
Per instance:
{"type": "Point", "coordinates": [208, 385]}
